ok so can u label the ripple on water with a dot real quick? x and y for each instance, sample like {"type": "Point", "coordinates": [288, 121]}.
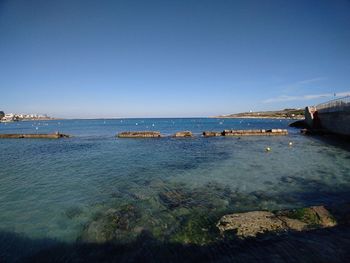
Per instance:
{"type": "Point", "coordinates": [101, 188]}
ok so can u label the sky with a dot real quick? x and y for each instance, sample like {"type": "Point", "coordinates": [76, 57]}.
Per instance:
{"type": "Point", "coordinates": [183, 58]}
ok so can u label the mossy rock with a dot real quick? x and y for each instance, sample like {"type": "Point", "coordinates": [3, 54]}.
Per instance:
{"type": "Point", "coordinates": [305, 215]}
{"type": "Point", "coordinates": [198, 228]}
{"type": "Point", "coordinates": [119, 224]}
{"type": "Point", "coordinates": [73, 212]}
{"type": "Point", "coordinates": [314, 216]}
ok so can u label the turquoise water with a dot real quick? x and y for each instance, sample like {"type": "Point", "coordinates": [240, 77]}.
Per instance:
{"type": "Point", "coordinates": [67, 189]}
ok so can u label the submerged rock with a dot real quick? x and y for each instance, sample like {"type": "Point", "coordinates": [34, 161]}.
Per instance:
{"type": "Point", "coordinates": [73, 212]}
{"type": "Point", "coordinates": [197, 228]}
{"type": "Point", "coordinates": [114, 224]}
{"type": "Point", "coordinates": [250, 224]}
{"type": "Point", "coordinates": [175, 198]}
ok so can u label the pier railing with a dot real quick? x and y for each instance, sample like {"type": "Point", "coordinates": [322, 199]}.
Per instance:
{"type": "Point", "coordinates": [341, 104]}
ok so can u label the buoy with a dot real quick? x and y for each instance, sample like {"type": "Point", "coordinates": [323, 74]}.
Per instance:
{"type": "Point", "coordinates": [268, 149]}
{"type": "Point", "coordinates": [290, 143]}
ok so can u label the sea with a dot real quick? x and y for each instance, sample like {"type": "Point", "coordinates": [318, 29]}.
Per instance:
{"type": "Point", "coordinates": [62, 200]}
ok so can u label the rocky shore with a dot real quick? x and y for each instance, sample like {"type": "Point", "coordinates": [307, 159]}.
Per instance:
{"type": "Point", "coordinates": [204, 215]}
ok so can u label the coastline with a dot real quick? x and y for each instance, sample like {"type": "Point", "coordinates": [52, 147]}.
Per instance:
{"type": "Point", "coordinates": [256, 117]}
{"type": "Point", "coordinates": [27, 120]}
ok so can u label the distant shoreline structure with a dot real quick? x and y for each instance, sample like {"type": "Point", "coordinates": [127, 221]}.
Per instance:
{"type": "Point", "coordinates": [279, 114]}
{"type": "Point", "coordinates": [13, 117]}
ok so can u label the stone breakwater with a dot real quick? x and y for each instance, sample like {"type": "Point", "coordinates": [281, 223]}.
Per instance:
{"type": "Point", "coordinates": [183, 134]}
{"type": "Point", "coordinates": [34, 136]}
{"type": "Point", "coordinates": [271, 132]}
{"type": "Point", "coordinates": [139, 134]}
{"type": "Point", "coordinates": [151, 134]}
{"type": "Point", "coordinates": [157, 134]}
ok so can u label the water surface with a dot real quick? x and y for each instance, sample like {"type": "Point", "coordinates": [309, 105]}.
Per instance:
{"type": "Point", "coordinates": [175, 189]}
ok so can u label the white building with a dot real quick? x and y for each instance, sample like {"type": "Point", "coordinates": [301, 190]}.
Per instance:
{"type": "Point", "coordinates": [9, 117]}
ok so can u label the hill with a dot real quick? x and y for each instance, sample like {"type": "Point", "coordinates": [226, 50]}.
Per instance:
{"type": "Point", "coordinates": [286, 113]}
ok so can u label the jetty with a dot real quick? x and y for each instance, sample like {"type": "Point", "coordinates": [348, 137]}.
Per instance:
{"type": "Point", "coordinates": [270, 132]}
{"type": "Point", "coordinates": [189, 134]}
{"type": "Point", "coordinates": [332, 117]}
{"type": "Point", "coordinates": [34, 136]}
{"type": "Point", "coordinates": [212, 134]}
{"type": "Point", "coordinates": [139, 134]}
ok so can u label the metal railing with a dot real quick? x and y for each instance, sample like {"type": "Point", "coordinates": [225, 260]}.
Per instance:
{"type": "Point", "coordinates": [341, 104]}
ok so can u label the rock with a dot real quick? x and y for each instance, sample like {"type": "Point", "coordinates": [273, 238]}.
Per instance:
{"type": "Point", "coordinates": [293, 224]}
{"type": "Point", "coordinates": [298, 124]}
{"type": "Point", "coordinates": [102, 229]}
{"type": "Point", "coordinates": [251, 223]}
{"type": "Point", "coordinates": [324, 217]}
{"type": "Point", "coordinates": [140, 134]}
{"type": "Point", "coordinates": [196, 228]}
{"type": "Point", "coordinates": [314, 216]}
{"type": "Point", "coordinates": [183, 134]}
{"type": "Point", "coordinates": [73, 212]}
{"type": "Point", "coordinates": [175, 198]}
{"type": "Point", "coordinates": [257, 222]}
{"type": "Point", "coordinates": [34, 136]}
{"type": "Point", "coordinates": [114, 224]}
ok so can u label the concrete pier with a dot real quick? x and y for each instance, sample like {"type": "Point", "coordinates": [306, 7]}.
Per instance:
{"type": "Point", "coordinates": [332, 116]}
{"type": "Point", "coordinates": [271, 132]}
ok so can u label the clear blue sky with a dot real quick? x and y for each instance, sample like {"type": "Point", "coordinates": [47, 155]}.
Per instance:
{"type": "Point", "coordinates": [171, 58]}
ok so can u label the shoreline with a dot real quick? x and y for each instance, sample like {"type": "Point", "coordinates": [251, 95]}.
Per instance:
{"type": "Point", "coordinates": [26, 120]}
{"type": "Point", "coordinates": [256, 117]}
{"type": "Point", "coordinates": [138, 118]}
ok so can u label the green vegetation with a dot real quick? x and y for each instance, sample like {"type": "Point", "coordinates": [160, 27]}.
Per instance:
{"type": "Point", "coordinates": [198, 228]}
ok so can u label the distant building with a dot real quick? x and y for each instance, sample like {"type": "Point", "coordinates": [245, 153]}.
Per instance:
{"type": "Point", "coordinates": [9, 117]}
{"type": "Point", "coordinates": [2, 114]}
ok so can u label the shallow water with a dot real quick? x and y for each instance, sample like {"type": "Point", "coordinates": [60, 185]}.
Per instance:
{"type": "Point", "coordinates": [173, 188]}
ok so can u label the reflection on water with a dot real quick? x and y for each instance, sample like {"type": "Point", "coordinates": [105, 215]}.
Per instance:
{"type": "Point", "coordinates": [97, 188]}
